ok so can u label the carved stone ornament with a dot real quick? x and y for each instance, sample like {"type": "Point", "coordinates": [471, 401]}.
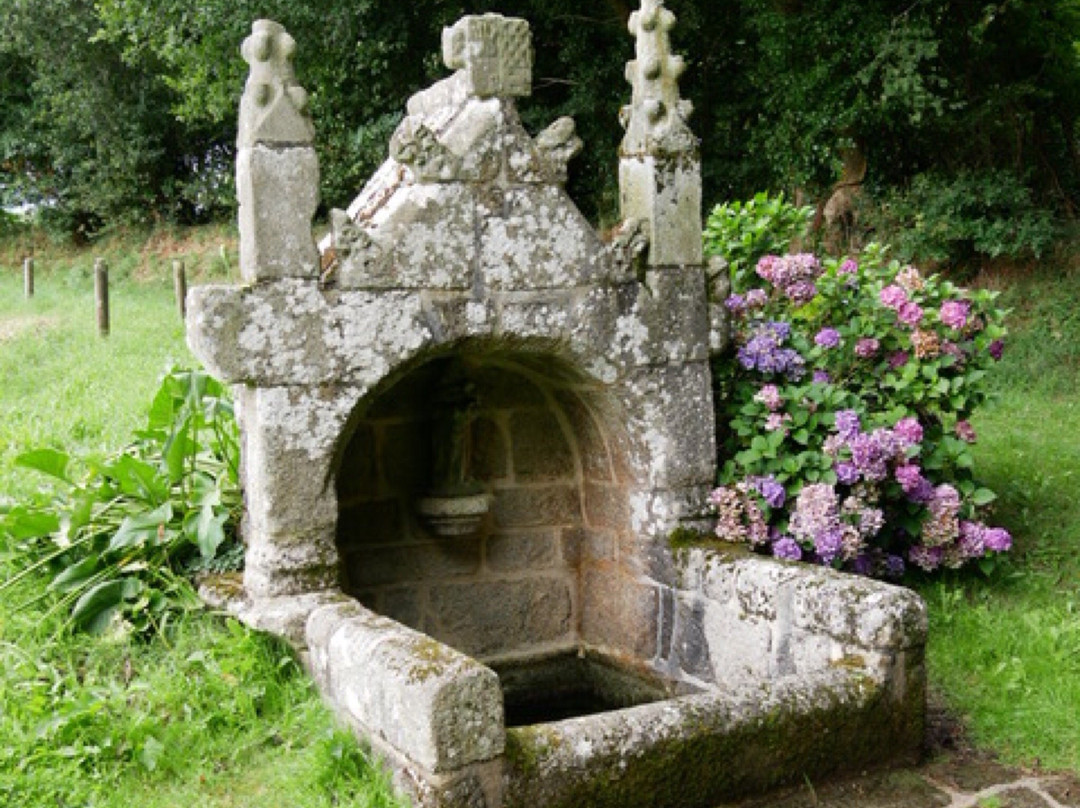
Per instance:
{"type": "Point", "coordinates": [274, 107]}
{"type": "Point", "coordinates": [656, 120]}
{"type": "Point", "coordinates": [628, 246]}
{"type": "Point", "coordinates": [558, 144]}
{"type": "Point", "coordinates": [416, 146]}
{"type": "Point", "coordinates": [493, 52]}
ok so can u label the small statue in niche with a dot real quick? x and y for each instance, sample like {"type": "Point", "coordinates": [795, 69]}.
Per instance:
{"type": "Point", "coordinates": [451, 435]}
{"type": "Point", "coordinates": [457, 503]}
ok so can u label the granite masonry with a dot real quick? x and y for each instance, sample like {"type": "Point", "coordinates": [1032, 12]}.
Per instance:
{"type": "Point", "coordinates": [471, 427]}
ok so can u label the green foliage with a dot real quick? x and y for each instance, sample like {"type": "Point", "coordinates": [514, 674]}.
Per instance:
{"type": "Point", "coordinates": [743, 232]}
{"type": "Point", "coordinates": [125, 109]}
{"type": "Point", "coordinates": [120, 533]}
{"type": "Point", "coordinates": [951, 219]}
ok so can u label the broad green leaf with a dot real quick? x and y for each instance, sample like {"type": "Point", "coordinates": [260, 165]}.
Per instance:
{"type": "Point", "coordinates": [139, 479]}
{"type": "Point", "coordinates": [141, 528]}
{"type": "Point", "coordinates": [205, 528]}
{"type": "Point", "coordinates": [94, 610]}
{"type": "Point", "coordinates": [48, 461]}
{"type": "Point", "coordinates": [983, 496]}
{"type": "Point", "coordinates": [76, 575]}
{"type": "Point", "coordinates": [28, 523]}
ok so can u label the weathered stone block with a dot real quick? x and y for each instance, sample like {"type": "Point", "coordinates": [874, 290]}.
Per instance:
{"type": "Point", "coordinates": [690, 649]}
{"type": "Point", "coordinates": [511, 552]}
{"type": "Point", "coordinates": [502, 616]}
{"type": "Point", "coordinates": [563, 250]}
{"type": "Point", "coordinates": [740, 646]}
{"type": "Point", "coordinates": [278, 191]}
{"type": "Point", "coordinates": [671, 416]}
{"type": "Point", "coordinates": [606, 506]}
{"type": "Point", "coordinates": [859, 612]}
{"type": "Point", "coordinates": [540, 447]}
{"type": "Point", "coordinates": [432, 703]}
{"type": "Point", "coordinates": [546, 317]}
{"type": "Point", "coordinates": [428, 238]}
{"type": "Point", "coordinates": [619, 612]}
{"type": "Point", "coordinates": [547, 505]}
{"type": "Point", "coordinates": [665, 193]}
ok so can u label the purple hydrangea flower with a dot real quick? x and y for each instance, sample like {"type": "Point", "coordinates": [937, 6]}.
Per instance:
{"type": "Point", "coordinates": [926, 558]}
{"type": "Point", "coordinates": [894, 567]}
{"type": "Point", "coordinates": [997, 539]}
{"type": "Point", "coordinates": [899, 359]}
{"type": "Point", "coordinates": [735, 303]}
{"type": "Point", "coordinates": [847, 473]}
{"type": "Point", "coordinates": [769, 395]}
{"type": "Point", "coordinates": [821, 377]}
{"type": "Point", "coordinates": [829, 544]}
{"type": "Point", "coordinates": [756, 298]}
{"type": "Point", "coordinates": [787, 547]}
{"type": "Point", "coordinates": [870, 454]}
{"type": "Point", "coordinates": [765, 352]}
{"type": "Point", "coordinates": [847, 424]}
{"type": "Point", "coordinates": [866, 347]}
{"type": "Point", "coordinates": [972, 543]}
{"type": "Point", "coordinates": [849, 267]}
{"type": "Point", "coordinates": [996, 349]}
{"type": "Point", "coordinates": [771, 491]}
{"type": "Point", "coordinates": [909, 430]}
{"type": "Point", "coordinates": [954, 313]}
{"type": "Point", "coordinates": [827, 338]}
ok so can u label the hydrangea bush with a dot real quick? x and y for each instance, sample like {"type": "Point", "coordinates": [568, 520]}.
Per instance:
{"type": "Point", "coordinates": [845, 415]}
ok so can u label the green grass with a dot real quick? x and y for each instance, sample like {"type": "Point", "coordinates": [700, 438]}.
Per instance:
{"type": "Point", "coordinates": [1006, 652]}
{"type": "Point", "coordinates": [212, 714]}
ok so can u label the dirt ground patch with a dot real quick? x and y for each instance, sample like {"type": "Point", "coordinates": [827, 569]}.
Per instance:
{"type": "Point", "coordinates": [14, 326]}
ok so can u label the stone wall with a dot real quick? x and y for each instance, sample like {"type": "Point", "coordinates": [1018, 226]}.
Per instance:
{"type": "Point", "coordinates": [540, 454]}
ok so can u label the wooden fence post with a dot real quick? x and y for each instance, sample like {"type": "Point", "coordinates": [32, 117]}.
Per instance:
{"type": "Point", "coordinates": [101, 295]}
{"type": "Point", "coordinates": [28, 277]}
{"type": "Point", "coordinates": [180, 287]}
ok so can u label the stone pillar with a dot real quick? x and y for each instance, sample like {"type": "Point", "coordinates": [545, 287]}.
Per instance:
{"type": "Point", "coordinates": [277, 171]}
{"type": "Point", "coordinates": [659, 166]}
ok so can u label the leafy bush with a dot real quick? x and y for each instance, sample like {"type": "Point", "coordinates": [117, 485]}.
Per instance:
{"type": "Point", "coordinates": [119, 534]}
{"type": "Point", "coordinates": [950, 219]}
{"type": "Point", "coordinates": [845, 415]}
{"type": "Point", "coordinates": [743, 232]}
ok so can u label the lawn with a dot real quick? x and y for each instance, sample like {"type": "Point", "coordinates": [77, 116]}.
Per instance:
{"type": "Point", "coordinates": [210, 715]}
{"type": "Point", "coordinates": [216, 715]}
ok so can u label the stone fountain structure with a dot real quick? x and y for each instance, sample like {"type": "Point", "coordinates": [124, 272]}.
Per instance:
{"type": "Point", "coordinates": [471, 427]}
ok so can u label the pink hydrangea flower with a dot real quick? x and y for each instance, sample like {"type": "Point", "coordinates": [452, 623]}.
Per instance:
{"type": "Point", "coordinates": [954, 313]}
{"type": "Point", "coordinates": [965, 431]}
{"type": "Point", "coordinates": [866, 347]}
{"type": "Point", "coordinates": [910, 313]}
{"type": "Point", "coordinates": [893, 297]}
{"type": "Point", "coordinates": [769, 395]}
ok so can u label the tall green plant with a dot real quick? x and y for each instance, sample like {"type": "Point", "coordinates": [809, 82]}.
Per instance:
{"type": "Point", "coordinates": [118, 534]}
{"type": "Point", "coordinates": [744, 232]}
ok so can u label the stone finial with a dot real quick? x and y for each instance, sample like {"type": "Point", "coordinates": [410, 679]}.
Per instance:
{"type": "Point", "coordinates": [493, 52]}
{"type": "Point", "coordinates": [274, 107]}
{"type": "Point", "coordinates": [656, 119]}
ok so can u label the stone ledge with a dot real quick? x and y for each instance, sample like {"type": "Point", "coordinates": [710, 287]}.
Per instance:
{"type": "Point", "coordinates": [440, 708]}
